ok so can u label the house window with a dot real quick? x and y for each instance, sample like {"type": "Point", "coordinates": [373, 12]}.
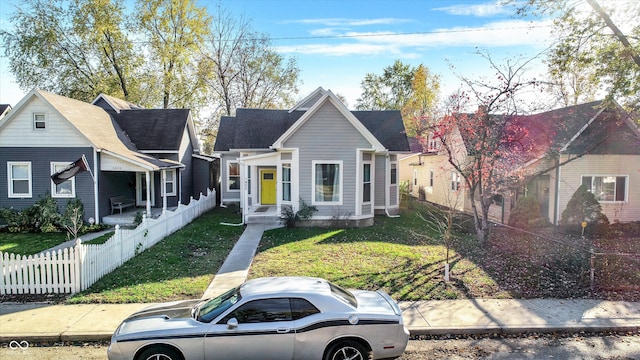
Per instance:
{"type": "Point", "coordinates": [366, 183]}
{"type": "Point", "coordinates": [19, 179]}
{"type": "Point", "coordinates": [431, 177]}
{"type": "Point", "coordinates": [394, 174]}
{"type": "Point", "coordinates": [286, 182]}
{"type": "Point", "coordinates": [607, 188]}
{"type": "Point", "coordinates": [39, 121]}
{"type": "Point", "coordinates": [66, 189]}
{"type": "Point", "coordinates": [327, 181]}
{"type": "Point", "coordinates": [455, 181]}
{"type": "Point", "coordinates": [249, 179]}
{"type": "Point", "coordinates": [170, 182]}
{"type": "Point", "coordinates": [233, 176]}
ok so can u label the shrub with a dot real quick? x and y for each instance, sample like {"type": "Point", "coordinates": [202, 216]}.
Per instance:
{"type": "Point", "coordinates": [288, 218]}
{"type": "Point", "coordinates": [583, 206]}
{"type": "Point", "coordinates": [526, 214]}
{"type": "Point", "coordinates": [44, 214]}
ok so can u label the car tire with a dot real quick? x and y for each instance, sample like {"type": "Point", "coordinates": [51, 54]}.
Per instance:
{"type": "Point", "coordinates": [159, 353]}
{"type": "Point", "coordinates": [347, 350]}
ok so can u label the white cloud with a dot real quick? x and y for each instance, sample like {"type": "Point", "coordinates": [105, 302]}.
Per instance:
{"type": "Point", "coordinates": [494, 34]}
{"type": "Point", "coordinates": [479, 10]}
{"type": "Point", "coordinates": [348, 22]}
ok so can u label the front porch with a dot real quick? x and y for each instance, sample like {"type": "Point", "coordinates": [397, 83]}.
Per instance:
{"type": "Point", "coordinates": [263, 214]}
{"type": "Point", "coordinates": [127, 218]}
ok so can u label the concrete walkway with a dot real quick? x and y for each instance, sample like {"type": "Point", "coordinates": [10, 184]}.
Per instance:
{"type": "Point", "coordinates": [96, 322]}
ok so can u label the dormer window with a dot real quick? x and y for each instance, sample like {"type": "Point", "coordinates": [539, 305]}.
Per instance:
{"type": "Point", "coordinates": [39, 121]}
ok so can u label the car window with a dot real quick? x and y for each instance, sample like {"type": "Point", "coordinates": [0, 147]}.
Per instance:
{"type": "Point", "coordinates": [344, 295]}
{"type": "Point", "coordinates": [216, 306]}
{"type": "Point", "coordinates": [301, 308]}
{"type": "Point", "coordinates": [265, 310]}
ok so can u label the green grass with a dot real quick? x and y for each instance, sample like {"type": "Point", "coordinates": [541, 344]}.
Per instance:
{"type": "Point", "coordinates": [30, 243]}
{"type": "Point", "coordinates": [180, 266]}
{"type": "Point", "coordinates": [399, 255]}
{"type": "Point", "coordinates": [100, 239]}
{"type": "Point", "coordinates": [396, 255]}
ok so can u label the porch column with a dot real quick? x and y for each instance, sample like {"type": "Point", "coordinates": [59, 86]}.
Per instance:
{"type": "Point", "coordinates": [180, 187]}
{"type": "Point", "coordinates": [164, 190]}
{"type": "Point", "coordinates": [148, 181]}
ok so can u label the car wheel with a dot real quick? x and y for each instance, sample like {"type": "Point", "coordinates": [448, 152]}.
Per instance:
{"type": "Point", "coordinates": [347, 350]}
{"type": "Point", "coordinates": [159, 353]}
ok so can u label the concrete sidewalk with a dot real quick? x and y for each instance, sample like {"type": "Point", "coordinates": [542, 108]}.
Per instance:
{"type": "Point", "coordinates": [96, 322]}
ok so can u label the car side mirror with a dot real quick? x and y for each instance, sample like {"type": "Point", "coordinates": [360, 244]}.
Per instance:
{"type": "Point", "coordinates": [232, 323]}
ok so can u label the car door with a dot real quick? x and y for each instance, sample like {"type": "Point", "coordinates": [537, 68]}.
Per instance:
{"type": "Point", "coordinates": [260, 329]}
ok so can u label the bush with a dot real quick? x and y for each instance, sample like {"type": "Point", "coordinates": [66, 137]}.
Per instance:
{"type": "Point", "coordinates": [526, 214]}
{"type": "Point", "coordinates": [583, 206]}
{"type": "Point", "coordinates": [288, 218]}
{"type": "Point", "coordinates": [44, 214]}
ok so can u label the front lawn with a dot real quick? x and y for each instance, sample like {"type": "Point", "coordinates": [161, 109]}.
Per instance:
{"type": "Point", "coordinates": [30, 243]}
{"type": "Point", "coordinates": [398, 255]}
{"type": "Point", "coordinates": [179, 267]}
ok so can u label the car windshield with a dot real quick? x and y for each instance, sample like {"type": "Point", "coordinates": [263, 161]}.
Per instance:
{"type": "Point", "coordinates": [216, 306]}
{"type": "Point", "coordinates": [344, 295]}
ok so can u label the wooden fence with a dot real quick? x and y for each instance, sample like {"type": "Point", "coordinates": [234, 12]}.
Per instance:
{"type": "Point", "coordinates": [76, 268]}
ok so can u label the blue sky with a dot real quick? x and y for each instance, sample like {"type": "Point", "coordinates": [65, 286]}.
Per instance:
{"type": "Point", "coordinates": [337, 42]}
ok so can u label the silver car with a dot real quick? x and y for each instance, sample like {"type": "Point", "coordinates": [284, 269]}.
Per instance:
{"type": "Point", "coordinates": [268, 318]}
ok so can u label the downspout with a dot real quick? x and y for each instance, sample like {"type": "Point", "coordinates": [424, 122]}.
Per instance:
{"type": "Point", "coordinates": [96, 201]}
{"type": "Point", "coordinates": [163, 187]}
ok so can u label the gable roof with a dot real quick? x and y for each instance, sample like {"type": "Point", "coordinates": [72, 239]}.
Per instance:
{"type": "Point", "coordinates": [154, 129]}
{"type": "Point", "coordinates": [585, 128]}
{"type": "Point", "coordinates": [263, 129]}
{"type": "Point", "coordinates": [116, 104]}
{"type": "Point", "coordinates": [97, 127]}
{"type": "Point", "coordinates": [4, 109]}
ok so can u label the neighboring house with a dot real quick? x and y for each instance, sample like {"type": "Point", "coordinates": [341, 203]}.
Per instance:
{"type": "Point", "coordinates": [342, 162]}
{"type": "Point", "coordinates": [147, 155]}
{"type": "Point", "coordinates": [4, 110]}
{"type": "Point", "coordinates": [583, 144]}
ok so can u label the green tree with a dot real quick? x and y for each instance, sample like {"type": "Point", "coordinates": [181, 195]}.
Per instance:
{"type": "Point", "coordinates": [71, 47]}
{"type": "Point", "coordinates": [176, 30]}
{"type": "Point", "coordinates": [591, 42]}
{"type": "Point", "coordinates": [421, 108]}
{"type": "Point", "coordinates": [389, 91]}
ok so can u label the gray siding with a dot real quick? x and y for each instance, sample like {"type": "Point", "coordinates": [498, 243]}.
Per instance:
{"type": "Point", "coordinates": [115, 183]}
{"type": "Point", "coordinates": [381, 180]}
{"type": "Point", "coordinates": [203, 174]}
{"type": "Point", "coordinates": [328, 136]}
{"type": "Point", "coordinates": [41, 159]}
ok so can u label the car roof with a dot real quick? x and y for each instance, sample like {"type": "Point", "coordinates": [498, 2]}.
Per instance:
{"type": "Point", "coordinates": [285, 285]}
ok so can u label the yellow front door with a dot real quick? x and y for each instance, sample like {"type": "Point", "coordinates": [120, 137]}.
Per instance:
{"type": "Point", "coordinates": [267, 186]}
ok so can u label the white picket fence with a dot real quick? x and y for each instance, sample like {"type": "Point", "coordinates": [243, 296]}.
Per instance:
{"type": "Point", "coordinates": [76, 268]}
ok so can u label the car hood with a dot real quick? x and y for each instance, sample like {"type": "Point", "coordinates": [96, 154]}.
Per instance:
{"type": "Point", "coordinates": [376, 302]}
{"type": "Point", "coordinates": [157, 319]}
{"type": "Point", "coordinates": [174, 309]}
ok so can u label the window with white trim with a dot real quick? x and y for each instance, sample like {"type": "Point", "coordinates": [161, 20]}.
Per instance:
{"type": "Point", "coordinates": [394, 173]}
{"type": "Point", "coordinates": [327, 182]}
{"type": "Point", "coordinates": [610, 188]}
{"type": "Point", "coordinates": [455, 181]}
{"type": "Point", "coordinates": [286, 182]}
{"type": "Point", "coordinates": [39, 121]}
{"type": "Point", "coordinates": [170, 183]}
{"type": "Point", "coordinates": [66, 189]}
{"type": "Point", "coordinates": [19, 179]}
{"type": "Point", "coordinates": [366, 182]}
{"type": "Point", "coordinates": [233, 176]}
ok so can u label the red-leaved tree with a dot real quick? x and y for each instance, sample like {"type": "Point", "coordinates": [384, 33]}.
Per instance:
{"type": "Point", "coordinates": [488, 146]}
